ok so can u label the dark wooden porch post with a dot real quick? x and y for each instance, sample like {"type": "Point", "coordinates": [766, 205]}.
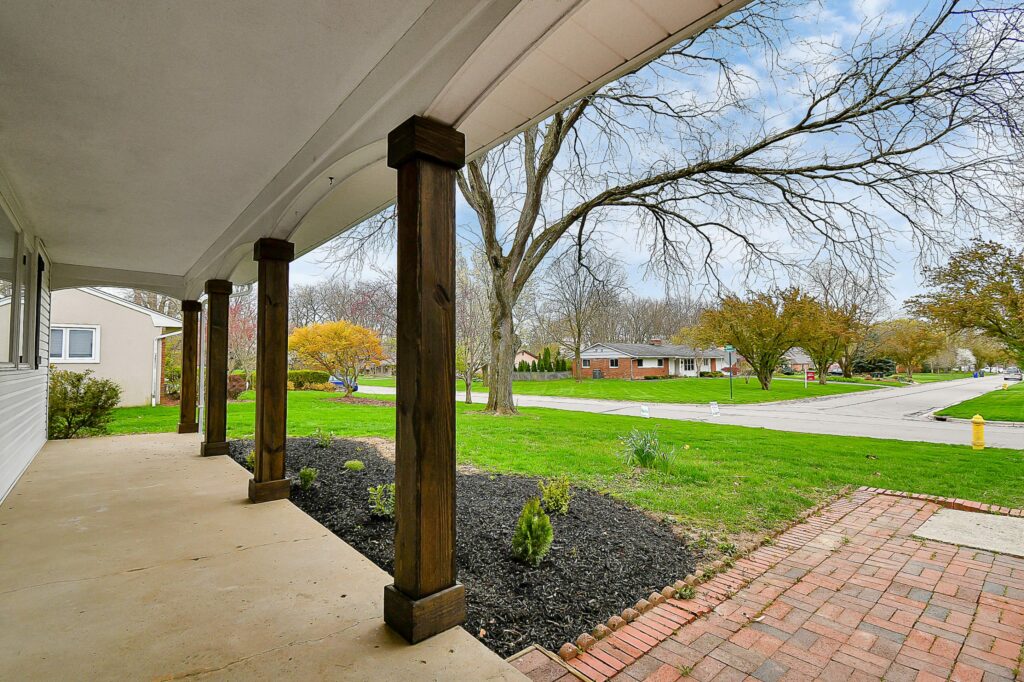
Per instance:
{"type": "Point", "coordinates": [425, 599]}
{"type": "Point", "coordinates": [216, 412]}
{"type": "Point", "coordinates": [269, 482]}
{"type": "Point", "coordinates": [189, 366]}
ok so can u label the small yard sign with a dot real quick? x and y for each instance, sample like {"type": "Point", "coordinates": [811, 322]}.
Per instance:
{"type": "Point", "coordinates": [715, 412]}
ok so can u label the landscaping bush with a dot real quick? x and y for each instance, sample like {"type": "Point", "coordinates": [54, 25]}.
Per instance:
{"type": "Point", "coordinates": [250, 461]}
{"type": "Point", "coordinates": [532, 538]}
{"type": "Point", "coordinates": [236, 384]}
{"type": "Point", "coordinates": [715, 375]}
{"type": "Point", "coordinates": [555, 494]}
{"type": "Point", "coordinates": [354, 465]}
{"type": "Point", "coordinates": [302, 378]}
{"type": "Point", "coordinates": [382, 500]}
{"type": "Point", "coordinates": [321, 387]}
{"type": "Point", "coordinates": [79, 404]}
{"type": "Point", "coordinates": [307, 476]}
{"type": "Point", "coordinates": [643, 449]}
{"type": "Point", "coordinates": [323, 438]}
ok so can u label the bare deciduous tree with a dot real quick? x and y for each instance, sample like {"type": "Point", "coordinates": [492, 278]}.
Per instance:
{"type": "Point", "coordinates": [576, 293]}
{"type": "Point", "coordinates": [472, 342]}
{"type": "Point", "coordinates": [917, 119]}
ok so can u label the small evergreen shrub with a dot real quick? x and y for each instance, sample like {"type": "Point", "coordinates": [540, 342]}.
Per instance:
{"type": "Point", "coordinates": [302, 378]}
{"type": "Point", "coordinates": [382, 500]}
{"type": "Point", "coordinates": [250, 461]}
{"type": "Point", "coordinates": [555, 494]}
{"type": "Point", "coordinates": [322, 439]}
{"type": "Point", "coordinates": [714, 375]}
{"type": "Point", "coordinates": [354, 465]}
{"type": "Point", "coordinates": [533, 535]}
{"type": "Point", "coordinates": [307, 476]}
{"type": "Point", "coordinates": [533, 366]}
{"type": "Point", "coordinates": [643, 449]}
{"type": "Point", "coordinates": [80, 404]}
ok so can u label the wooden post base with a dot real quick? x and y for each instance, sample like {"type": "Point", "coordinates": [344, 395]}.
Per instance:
{"type": "Point", "coordinates": [419, 619]}
{"type": "Point", "coordinates": [268, 491]}
{"type": "Point", "coordinates": [188, 428]}
{"type": "Point", "coordinates": [211, 449]}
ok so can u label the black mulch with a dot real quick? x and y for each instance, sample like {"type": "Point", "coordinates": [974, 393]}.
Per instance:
{"type": "Point", "coordinates": [604, 557]}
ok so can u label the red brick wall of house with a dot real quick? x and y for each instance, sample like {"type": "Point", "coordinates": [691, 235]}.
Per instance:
{"type": "Point", "coordinates": [622, 371]}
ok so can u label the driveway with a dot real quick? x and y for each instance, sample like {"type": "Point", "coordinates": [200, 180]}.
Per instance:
{"type": "Point", "coordinates": [897, 413]}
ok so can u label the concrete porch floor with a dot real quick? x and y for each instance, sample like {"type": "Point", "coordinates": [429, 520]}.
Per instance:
{"type": "Point", "coordinates": [131, 557]}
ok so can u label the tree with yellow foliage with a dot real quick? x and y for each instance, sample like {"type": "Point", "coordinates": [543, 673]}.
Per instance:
{"type": "Point", "coordinates": [341, 348]}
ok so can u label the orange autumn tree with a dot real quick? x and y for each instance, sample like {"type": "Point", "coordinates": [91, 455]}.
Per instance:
{"type": "Point", "coordinates": [341, 348]}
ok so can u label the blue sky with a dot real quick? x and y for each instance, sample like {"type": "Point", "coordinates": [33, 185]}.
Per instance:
{"type": "Point", "coordinates": [831, 21]}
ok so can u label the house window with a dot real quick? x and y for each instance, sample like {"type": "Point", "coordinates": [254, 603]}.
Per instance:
{"type": "Point", "coordinates": [8, 245]}
{"type": "Point", "coordinates": [706, 363]}
{"type": "Point", "coordinates": [661, 362]}
{"type": "Point", "coordinates": [586, 363]}
{"type": "Point", "coordinates": [75, 344]}
{"type": "Point", "coordinates": [688, 365]}
{"type": "Point", "coordinates": [614, 362]}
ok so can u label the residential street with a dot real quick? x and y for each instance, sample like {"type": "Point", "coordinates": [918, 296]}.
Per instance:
{"type": "Point", "coordinates": [898, 413]}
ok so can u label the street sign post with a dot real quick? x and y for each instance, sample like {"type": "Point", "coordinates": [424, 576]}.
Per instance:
{"type": "Point", "coordinates": [729, 350]}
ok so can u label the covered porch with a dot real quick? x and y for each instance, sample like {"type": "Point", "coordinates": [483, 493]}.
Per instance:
{"type": "Point", "coordinates": [132, 557]}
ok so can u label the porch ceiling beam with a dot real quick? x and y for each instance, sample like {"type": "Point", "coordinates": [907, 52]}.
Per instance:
{"type": "Point", "coordinates": [189, 366]}
{"type": "Point", "coordinates": [216, 404]}
{"type": "Point", "coordinates": [425, 599]}
{"type": "Point", "coordinates": [69, 276]}
{"type": "Point", "coordinates": [269, 481]}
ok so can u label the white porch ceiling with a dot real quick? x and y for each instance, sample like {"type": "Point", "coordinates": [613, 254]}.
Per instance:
{"type": "Point", "coordinates": [150, 143]}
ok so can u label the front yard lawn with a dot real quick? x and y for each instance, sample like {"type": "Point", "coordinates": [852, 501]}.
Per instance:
{"type": "Point", "coordinates": [682, 390]}
{"type": "Point", "coordinates": [731, 478]}
{"type": "Point", "coordinates": [999, 405]}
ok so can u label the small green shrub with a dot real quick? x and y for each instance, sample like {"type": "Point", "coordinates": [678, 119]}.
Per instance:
{"type": "Point", "coordinates": [322, 439]}
{"type": "Point", "coordinates": [643, 449]}
{"type": "Point", "coordinates": [250, 461]}
{"type": "Point", "coordinates": [302, 378]}
{"type": "Point", "coordinates": [382, 500]}
{"type": "Point", "coordinates": [79, 404]}
{"type": "Point", "coordinates": [533, 535]}
{"type": "Point", "coordinates": [354, 465]}
{"type": "Point", "coordinates": [555, 494]}
{"type": "Point", "coordinates": [307, 476]}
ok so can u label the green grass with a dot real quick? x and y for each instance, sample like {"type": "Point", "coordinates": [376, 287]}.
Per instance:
{"type": "Point", "coordinates": [683, 390]}
{"type": "Point", "coordinates": [730, 479]}
{"type": "Point", "coordinates": [999, 405]}
{"type": "Point", "coordinates": [922, 378]}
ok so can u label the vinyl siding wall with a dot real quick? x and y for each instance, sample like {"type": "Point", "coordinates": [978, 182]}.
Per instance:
{"type": "Point", "coordinates": [23, 396]}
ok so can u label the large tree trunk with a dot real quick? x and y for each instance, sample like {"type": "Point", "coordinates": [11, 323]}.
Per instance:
{"type": "Point", "coordinates": [469, 389]}
{"type": "Point", "coordinates": [503, 354]}
{"type": "Point", "coordinates": [764, 377]}
{"type": "Point", "coordinates": [577, 363]}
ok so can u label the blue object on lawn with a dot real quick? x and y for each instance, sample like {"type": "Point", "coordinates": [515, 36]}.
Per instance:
{"type": "Point", "coordinates": [340, 383]}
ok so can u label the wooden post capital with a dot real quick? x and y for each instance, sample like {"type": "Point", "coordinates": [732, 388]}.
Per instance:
{"type": "Point", "coordinates": [191, 306]}
{"type": "Point", "coordinates": [273, 249]}
{"type": "Point", "coordinates": [424, 138]}
{"type": "Point", "coordinates": [218, 286]}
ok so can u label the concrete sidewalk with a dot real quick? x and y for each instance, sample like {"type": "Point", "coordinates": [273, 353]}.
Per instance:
{"type": "Point", "coordinates": [896, 413]}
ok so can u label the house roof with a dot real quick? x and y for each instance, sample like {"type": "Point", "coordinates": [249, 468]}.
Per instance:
{"type": "Point", "coordinates": [649, 350]}
{"type": "Point", "coordinates": [159, 319]}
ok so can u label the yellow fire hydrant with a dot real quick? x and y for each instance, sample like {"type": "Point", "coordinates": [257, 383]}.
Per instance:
{"type": "Point", "coordinates": [978, 432]}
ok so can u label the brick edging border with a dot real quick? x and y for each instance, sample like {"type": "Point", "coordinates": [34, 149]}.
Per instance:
{"type": "Point", "coordinates": [949, 502]}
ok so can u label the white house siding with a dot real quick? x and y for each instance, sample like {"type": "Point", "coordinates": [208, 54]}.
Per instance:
{"type": "Point", "coordinates": [23, 403]}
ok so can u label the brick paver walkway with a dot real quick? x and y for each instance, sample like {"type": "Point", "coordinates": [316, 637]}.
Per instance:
{"type": "Point", "coordinates": [848, 595]}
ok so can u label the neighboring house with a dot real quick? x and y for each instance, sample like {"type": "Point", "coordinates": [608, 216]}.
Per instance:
{"type": "Point", "coordinates": [116, 339]}
{"type": "Point", "coordinates": [639, 360]}
{"type": "Point", "coordinates": [798, 360]}
{"type": "Point", "coordinates": [524, 355]}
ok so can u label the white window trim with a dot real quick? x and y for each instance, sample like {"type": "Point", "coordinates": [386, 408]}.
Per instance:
{"type": "Point", "coordinates": [65, 340]}
{"type": "Point", "coordinates": [692, 365]}
{"type": "Point", "coordinates": [613, 363]}
{"type": "Point", "coordinates": [586, 363]}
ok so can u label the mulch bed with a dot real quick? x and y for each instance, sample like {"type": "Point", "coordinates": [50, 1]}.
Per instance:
{"type": "Point", "coordinates": [355, 400]}
{"type": "Point", "coordinates": [605, 555]}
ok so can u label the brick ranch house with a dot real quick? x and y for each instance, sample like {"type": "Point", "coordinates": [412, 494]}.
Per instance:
{"type": "Point", "coordinates": [639, 360]}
